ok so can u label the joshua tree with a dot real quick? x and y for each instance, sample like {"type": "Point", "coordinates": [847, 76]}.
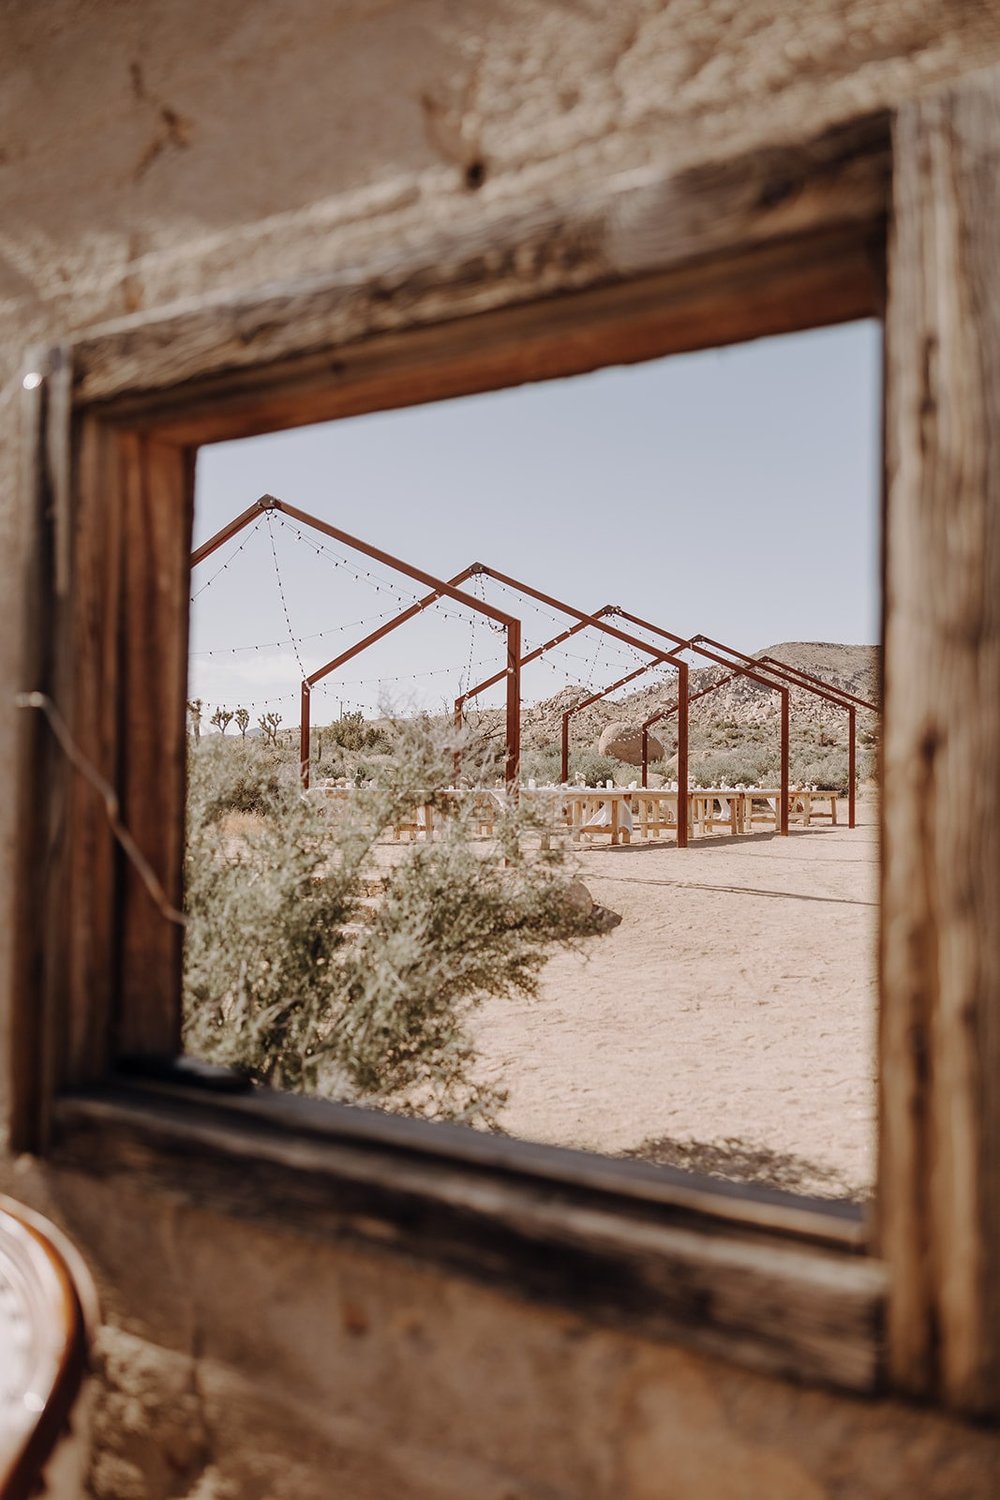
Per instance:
{"type": "Point", "coordinates": [222, 718]}
{"type": "Point", "coordinates": [242, 718]}
{"type": "Point", "coordinates": [269, 727]}
{"type": "Point", "coordinates": [194, 708]}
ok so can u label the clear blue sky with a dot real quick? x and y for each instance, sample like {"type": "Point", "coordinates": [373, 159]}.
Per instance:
{"type": "Point", "coordinates": [732, 492]}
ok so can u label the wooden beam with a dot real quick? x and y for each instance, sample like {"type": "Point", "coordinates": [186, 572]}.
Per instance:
{"type": "Point", "coordinates": [153, 773]}
{"type": "Point", "coordinates": [643, 266]}
{"type": "Point", "coordinates": [769, 1301]}
{"type": "Point", "coordinates": [29, 1070]}
{"type": "Point", "coordinates": [939, 1178]}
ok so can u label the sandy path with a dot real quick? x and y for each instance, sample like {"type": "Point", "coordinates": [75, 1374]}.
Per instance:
{"type": "Point", "coordinates": [734, 1004]}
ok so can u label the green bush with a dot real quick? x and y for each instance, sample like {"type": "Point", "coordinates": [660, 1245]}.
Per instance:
{"type": "Point", "coordinates": [748, 767]}
{"type": "Point", "coordinates": [595, 769]}
{"type": "Point", "coordinates": [290, 973]}
{"type": "Point", "coordinates": [353, 732]}
{"type": "Point", "coordinates": [329, 770]}
{"type": "Point", "coordinates": [244, 777]}
{"type": "Point", "coordinates": [828, 771]}
{"type": "Point", "coordinates": [543, 766]}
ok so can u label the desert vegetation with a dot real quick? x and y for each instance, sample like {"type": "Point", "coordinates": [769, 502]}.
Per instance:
{"type": "Point", "coordinates": [322, 957]}
{"type": "Point", "coordinates": [317, 964]}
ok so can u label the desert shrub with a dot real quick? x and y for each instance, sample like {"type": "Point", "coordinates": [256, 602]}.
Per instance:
{"type": "Point", "coordinates": [284, 978]}
{"type": "Point", "coordinates": [595, 769]}
{"type": "Point", "coordinates": [330, 769]}
{"type": "Point", "coordinates": [828, 770]}
{"type": "Point", "coordinates": [241, 777]}
{"type": "Point", "coordinates": [484, 754]}
{"type": "Point", "coordinates": [543, 766]}
{"type": "Point", "coordinates": [353, 732]}
{"type": "Point", "coordinates": [748, 767]}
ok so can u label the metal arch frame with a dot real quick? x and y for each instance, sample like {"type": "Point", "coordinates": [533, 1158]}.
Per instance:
{"type": "Point", "coordinates": [511, 623]}
{"type": "Point", "coordinates": [701, 650]}
{"type": "Point", "coordinates": [581, 622]}
{"type": "Point", "coordinates": [664, 713]}
{"type": "Point", "coordinates": [595, 698]}
{"type": "Point", "coordinates": [820, 682]}
{"type": "Point", "coordinates": [597, 622]}
{"type": "Point", "coordinates": [838, 697]}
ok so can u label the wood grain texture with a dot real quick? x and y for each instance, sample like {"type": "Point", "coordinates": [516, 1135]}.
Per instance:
{"type": "Point", "coordinates": [82, 956]}
{"type": "Point", "coordinates": [682, 1196]}
{"type": "Point", "coordinates": [940, 1025]}
{"type": "Point", "coordinates": [770, 1303]}
{"type": "Point", "coordinates": [745, 247]}
{"type": "Point", "coordinates": [109, 980]}
{"type": "Point", "coordinates": [28, 1085]}
{"type": "Point", "coordinates": [831, 185]}
{"type": "Point", "coordinates": [768, 290]}
{"type": "Point", "coordinates": [157, 489]}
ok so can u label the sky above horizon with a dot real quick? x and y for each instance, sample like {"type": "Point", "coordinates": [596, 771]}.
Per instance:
{"type": "Point", "coordinates": [731, 492]}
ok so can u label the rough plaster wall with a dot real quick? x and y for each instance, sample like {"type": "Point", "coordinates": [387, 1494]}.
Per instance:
{"type": "Point", "coordinates": [240, 1362]}
{"type": "Point", "coordinates": [178, 148]}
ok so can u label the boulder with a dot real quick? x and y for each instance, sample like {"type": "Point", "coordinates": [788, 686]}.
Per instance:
{"type": "Point", "coordinates": [623, 740]}
{"type": "Point", "coordinates": [602, 918]}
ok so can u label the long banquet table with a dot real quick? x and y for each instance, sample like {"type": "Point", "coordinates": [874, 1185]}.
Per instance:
{"type": "Point", "coordinates": [618, 812]}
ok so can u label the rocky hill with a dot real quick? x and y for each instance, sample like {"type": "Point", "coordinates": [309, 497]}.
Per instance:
{"type": "Point", "coordinates": [737, 703]}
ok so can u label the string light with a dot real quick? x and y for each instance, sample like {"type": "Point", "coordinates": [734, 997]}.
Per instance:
{"type": "Point", "coordinates": [465, 680]}
{"type": "Point", "coordinates": [617, 654]}
{"type": "Point", "coordinates": [281, 591]}
{"type": "Point", "coordinates": [232, 556]}
{"type": "Point", "coordinates": [316, 635]}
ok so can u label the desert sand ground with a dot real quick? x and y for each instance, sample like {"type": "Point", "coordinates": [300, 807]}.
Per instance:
{"type": "Point", "coordinates": [727, 1024]}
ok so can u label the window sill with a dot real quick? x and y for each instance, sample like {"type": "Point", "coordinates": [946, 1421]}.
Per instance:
{"type": "Point", "coordinates": [765, 1279]}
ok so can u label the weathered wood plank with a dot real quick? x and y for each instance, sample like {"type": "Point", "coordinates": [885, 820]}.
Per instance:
{"type": "Point", "coordinates": [82, 962]}
{"type": "Point", "coordinates": [28, 1084]}
{"type": "Point", "coordinates": [940, 1021]}
{"type": "Point", "coordinates": [769, 290]}
{"type": "Point", "coordinates": [771, 1304]}
{"type": "Point", "coordinates": [645, 223]}
{"type": "Point", "coordinates": [158, 501]}
{"type": "Point", "coordinates": [682, 1195]}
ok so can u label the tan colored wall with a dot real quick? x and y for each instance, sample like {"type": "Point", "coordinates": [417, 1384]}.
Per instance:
{"type": "Point", "coordinates": [160, 151]}
{"type": "Point", "coordinates": [245, 1362]}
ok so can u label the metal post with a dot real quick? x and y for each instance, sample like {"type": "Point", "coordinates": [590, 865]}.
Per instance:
{"type": "Point", "coordinates": [682, 755]}
{"type": "Point", "coordinates": [852, 765]}
{"type": "Point", "coordinates": [456, 764]}
{"type": "Point", "coordinates": [645, 756]}
{"type": "Point", "coordinates": [513, 705]}
{"type": "Point", "coordinates": [306, 696]}
{"type": "Point", "coordinates": [783, 820]}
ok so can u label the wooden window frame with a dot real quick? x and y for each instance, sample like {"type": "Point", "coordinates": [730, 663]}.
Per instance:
{"type": "Point", "coordinates": [768, 242]}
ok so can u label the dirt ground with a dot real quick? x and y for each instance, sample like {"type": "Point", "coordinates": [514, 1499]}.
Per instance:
{"type": "Point", "coordinates": [727, 1024]}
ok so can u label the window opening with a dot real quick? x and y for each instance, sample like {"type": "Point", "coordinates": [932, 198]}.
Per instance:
{"type": "Point", "coordinates": [694, 670]}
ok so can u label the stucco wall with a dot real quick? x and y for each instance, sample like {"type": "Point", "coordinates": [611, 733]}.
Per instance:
{"type": "Point", "coordinates": [245, 1362]}
{"type": "Point", "coordinates": [165, 150]}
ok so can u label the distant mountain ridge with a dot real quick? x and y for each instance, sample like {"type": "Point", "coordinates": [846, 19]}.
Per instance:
{"type": "Point", "coordinates": [740, 702]}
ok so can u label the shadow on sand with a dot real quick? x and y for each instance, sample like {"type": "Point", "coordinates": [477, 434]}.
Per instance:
{"type": "Point", "coordinates": [735, 1160]}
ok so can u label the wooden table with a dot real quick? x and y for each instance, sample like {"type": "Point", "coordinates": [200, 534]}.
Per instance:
{"type": "Point", "coordinates": [586, 810]}
{"type": "Point", "coordinates": [802, 809]}
{"type": "Point", "coordinates": [656, 810]}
